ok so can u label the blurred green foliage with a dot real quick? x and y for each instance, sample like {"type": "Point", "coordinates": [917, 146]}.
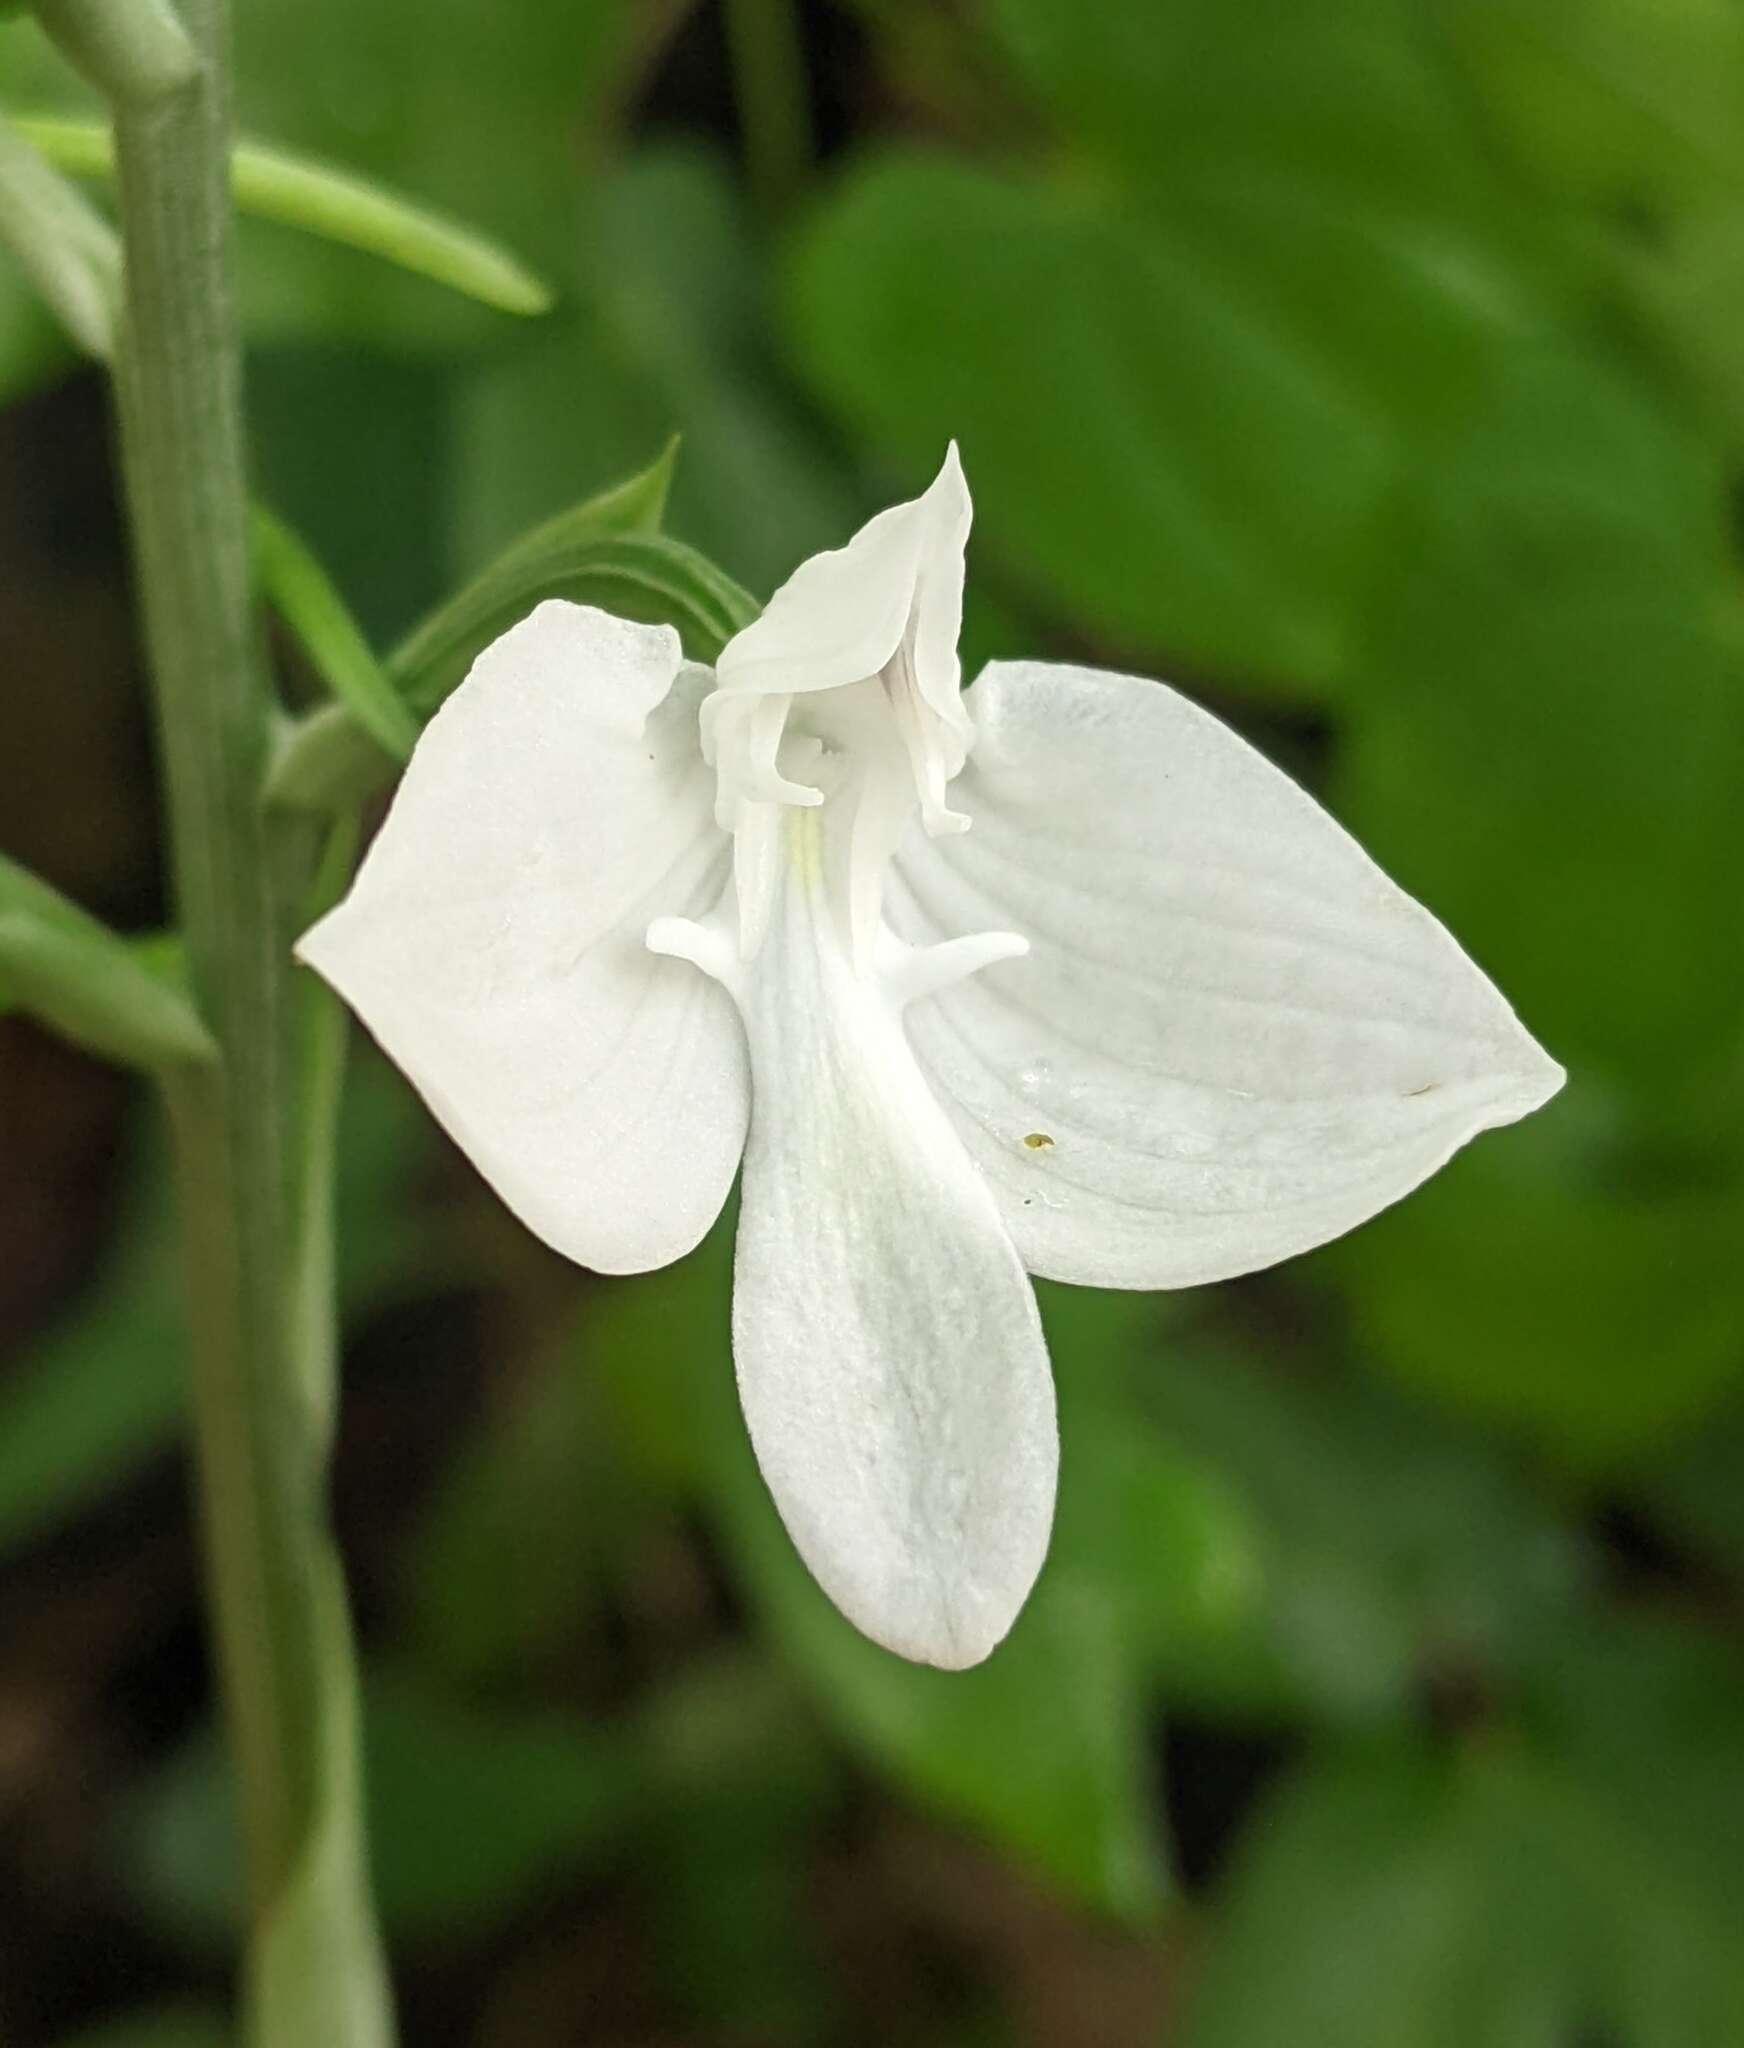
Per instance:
{"type": "Point", "coordinates": [1374, 371]}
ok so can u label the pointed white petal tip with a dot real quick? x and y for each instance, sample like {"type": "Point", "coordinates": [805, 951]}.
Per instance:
{"type": "Point", "coordinates": [842, 614]}
{"type": "Point", "coordinates": [1240, 1039]}
{"type": "Point", "coordinates": [951, 486]}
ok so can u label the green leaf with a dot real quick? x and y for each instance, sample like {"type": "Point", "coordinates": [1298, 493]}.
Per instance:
{"type": "Point", "coordinates": [1378, 1545]}
{"type": "Point", "coordinates": [639, 575]}
{"type": "Point", "coordinates": [668, 323]}
{"type": "Point", "coordinates": [34, 349]}
{"type": "Point", "coordinates": [1554, 741]}
{"type": "Point", "coordinates": [82, 979]}
{"type": "Point", "coordinates": [1694, 1492]}
{"type": "Point", "coordinates": [1686, 285]}
{"type": "Point", "coordinates": [64, 247]}
{"type": "Point", "coordinates": [1041, 1748]}
{"type": "Point", "coordinates": [1184, 425]}
{"type": "Point", "coordinates": [317, 412]}
{"type": "Point", "coordinates": [1617, 101]}
{"type": "Point", "coordinates": [744, 1786]}
{"type": "Point", "coordinates": [303, 595]}
{"type": "Point", "coordinates": [1145, 1521]}
{"type": "Point", "coordinates": [1346, 1916]}
{"type": "Point", "coordinates": [486, 114]}
{"type": "Point", "coordinates": [1359, 98]}
{"type": "Point", "coordinates": [487, 118]}
{"type": "Point", "coordinates": [106, 1388]}
{"type": "Point", "coordinates": [521, 1530]}
{"type": "Point", "coordinates": [1573, 1878]}
{"type": "Point", "coordinates": [599, 553]}
{"type": "Point", "coordinates": [1632, 1788]}
{"type": "Point", "coordinates": [1553, 766]}
{"type": "Point", "coordinates": [276, 185]}
{"type": "Point", "coordinates": [613, 538]}
{"type": "Point", "coordinates": [1193, 364]}
{"type": "Point", "coordinates": [1546, 1283]}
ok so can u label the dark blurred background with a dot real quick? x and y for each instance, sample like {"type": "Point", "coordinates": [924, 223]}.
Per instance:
{"type": "Point", "coordinates": [1375, 371]}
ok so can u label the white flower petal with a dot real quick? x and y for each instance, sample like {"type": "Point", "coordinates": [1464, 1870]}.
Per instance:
{"type": "Point", "coordinates": [1233, 1037]}
{"type": "Point", "coordinates": [890, 1359]}
{"type": "Point", "coordinates": [493, 939]}
{"type": "Point", "coordinates": [841, 616]}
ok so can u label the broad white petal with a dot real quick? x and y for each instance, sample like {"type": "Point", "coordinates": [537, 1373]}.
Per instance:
{"type": "Point", "coordinates": [890, 1359]}
{"type": "Point", "coordinates": [841, 616]}
{"type": "Point", "coordinates": [493, 939]}
{"type": "Point", "coordinates": [1233, 1037]}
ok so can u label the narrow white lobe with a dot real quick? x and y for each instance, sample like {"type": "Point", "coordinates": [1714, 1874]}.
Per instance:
{"type": "Point", "coordinates": [890, 1360]}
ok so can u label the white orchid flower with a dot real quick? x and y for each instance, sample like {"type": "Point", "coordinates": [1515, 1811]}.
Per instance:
{"type": "Point", "coordinates": [1056, 976]}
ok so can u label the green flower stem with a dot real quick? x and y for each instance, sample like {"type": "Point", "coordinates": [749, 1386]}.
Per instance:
{"type": "Point", "coordinates": [262, 1353]}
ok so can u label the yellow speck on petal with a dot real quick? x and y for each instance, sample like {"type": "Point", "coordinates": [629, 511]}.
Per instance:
{"type": "Point", "coordinates": [1038, 1141]}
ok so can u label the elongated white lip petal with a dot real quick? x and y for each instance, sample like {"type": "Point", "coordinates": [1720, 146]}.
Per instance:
{"type": "Point", "coordinates": [890, 1359]}
{"type": "Point", "coordinates": [1232, 1039]}
{"type": "Point", "coordinates": [492, 941]}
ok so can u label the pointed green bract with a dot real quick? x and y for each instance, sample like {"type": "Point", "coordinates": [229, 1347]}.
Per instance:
{"type": "Point", "coordinates": [63, 245]}
{"type": "Point", "coordinates": [297, 587]}
{"type": "Point", "coordinates": [76, 975]}
{"type": "Point", "coordinates": [607, 552]}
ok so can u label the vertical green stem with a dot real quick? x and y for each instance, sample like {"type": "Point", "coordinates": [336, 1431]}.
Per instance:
{"type": "Point", "coordinates": [770, 86]}
{"type": "Point", "coordinates": [261, 1304]}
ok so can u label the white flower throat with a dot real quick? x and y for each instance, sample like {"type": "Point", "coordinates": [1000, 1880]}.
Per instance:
{"type": "Point", "coordinates": [817, 790]}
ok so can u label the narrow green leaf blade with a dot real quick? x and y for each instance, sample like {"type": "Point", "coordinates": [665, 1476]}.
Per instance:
{"type": "Point", "coordinates": [63, 245]}
{"type": "Point", "coordinates": [301, 592]}
{"type": "Point", "coordinates": [86, 982]}
{"type": "Point", "coordinates": [299, 192]}
{"type": "Point", "coordinates": [604, 552]}
{"type": "Point", "coordinates": [641, 576]}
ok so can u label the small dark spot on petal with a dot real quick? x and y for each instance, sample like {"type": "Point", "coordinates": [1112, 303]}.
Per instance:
{"type": "Point", "coordinates": [1037, 1141]}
